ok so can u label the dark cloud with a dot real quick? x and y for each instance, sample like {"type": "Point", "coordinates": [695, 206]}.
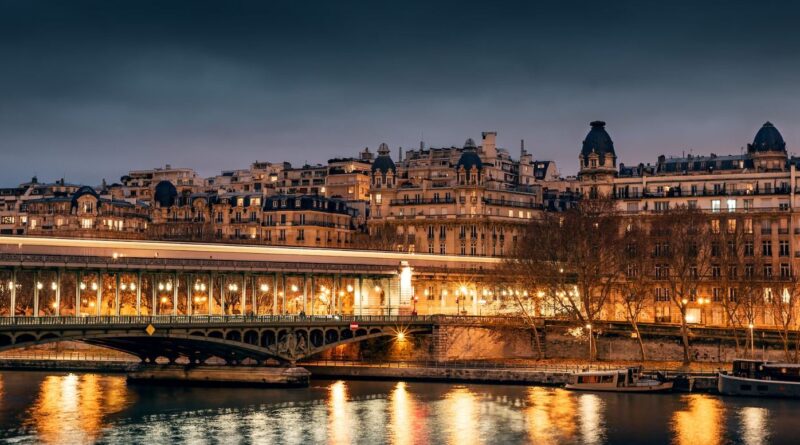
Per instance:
{"type": "Point", "coordinates": [90, 89]}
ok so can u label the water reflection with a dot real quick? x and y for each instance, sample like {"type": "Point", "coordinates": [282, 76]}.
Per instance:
{"type": "Point", "coordinates": [550, 415]}
{"type": "Point", "coordinates": [701, 422]}
{"type": "Point", "coordinates": [339, 422]}
{"type": "Point", "coordinates": [462, 414]}
{"type": "Point", "coordinates": [39, 408]}
{"type": "Point", "coordinates": [72, 409]}
{"type": "Point", "coordinates": [591, 418]}
{"type": "Point", "coordinates": [754, 429]}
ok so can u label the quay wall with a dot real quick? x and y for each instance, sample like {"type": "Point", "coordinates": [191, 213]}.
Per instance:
{"type": "Point", "coordinates": [457, 343]}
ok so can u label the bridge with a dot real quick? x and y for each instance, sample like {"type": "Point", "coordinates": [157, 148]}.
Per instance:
{"type": "Point", "coordinates": [285, 339]}
{"type": "Point", "coordinates": [173, 300]}
{"type": "Point", "coordinates": [89, 277]}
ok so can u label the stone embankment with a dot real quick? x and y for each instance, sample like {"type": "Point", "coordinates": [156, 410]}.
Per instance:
{"type": "Point", "coordinates": [223, 375]}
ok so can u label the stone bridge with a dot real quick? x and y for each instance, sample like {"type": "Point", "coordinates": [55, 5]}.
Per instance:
{"type": "Point", "coordinates": [285, 339]}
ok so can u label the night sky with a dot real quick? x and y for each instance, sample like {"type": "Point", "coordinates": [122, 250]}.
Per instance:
{"type": "Point", "coordinates": [91, 89]}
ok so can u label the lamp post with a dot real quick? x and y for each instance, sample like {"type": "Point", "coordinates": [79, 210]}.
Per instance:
{"type": "Point", "coordinates": [591, 339]}
{"type": "Point", "coordinates": [752, 346]}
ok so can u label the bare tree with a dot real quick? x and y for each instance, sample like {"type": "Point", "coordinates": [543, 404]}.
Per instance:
{"type": "Point", "coordinates": [572, 259]}
{"type": "Point", "coordinates": [636, 285]}
{"type": "Point", "coordinates": [683, 234]}
{"type": "Point", "coordinates": [381, 236]}
{"type": "Point", "coordinates": [782, 297]}
{"type": "Point", "coordinates": [728, 249]}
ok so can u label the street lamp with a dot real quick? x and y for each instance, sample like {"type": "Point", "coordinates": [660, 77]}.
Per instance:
{"type": "Point", "coordinates": [752, 346]}
{"type": "Point", "coordinates": [589, 327]}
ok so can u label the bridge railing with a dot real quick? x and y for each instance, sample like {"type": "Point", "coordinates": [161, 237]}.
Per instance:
{"type": "Point", "coordinates": [251, 319]}
{"type": "Point", "coordinates": [214, 319]}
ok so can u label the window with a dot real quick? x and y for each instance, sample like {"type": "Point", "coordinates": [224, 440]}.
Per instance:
{"type": "Point", "coordinates": [785, 271]}
{"type": "Point", "coordinates": [748, 225]}
{"type": "Point", "coordinates": [731, 226]}
{"type": "Point", "coordinates": [86, 223]}
{"type": "Point", "coordinates": [715, 203]}
{"type": "Point", "coordinates": [783, 248]}
{"type": "Point", "coordinates": [748, 248]}
{"type": "Point", "coordinates": [731, 205]}
{"type": "Point", "coordinates": [767, 270]}
{"type": "Point", "coordinates": [766, 248]}
{"type": "Point", "coordinates": [715, 226]}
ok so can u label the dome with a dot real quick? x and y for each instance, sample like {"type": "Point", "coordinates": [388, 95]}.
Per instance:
{"type": "Point", "coordinates": [469, 157]}
{"type": "Point", "coordinates": [597, 141]}
{"type": "Point", "coordinates": [383, 163]}
{"type": "Point", "coordinates": [767, 139]}
{"type": "Point", "coordinates": [165, 194]}
{"type": "Point", "coordinates": [85, 190]}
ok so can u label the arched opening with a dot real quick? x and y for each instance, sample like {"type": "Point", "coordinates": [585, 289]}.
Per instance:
{"type": "Point", "coordinates": [233, 336]}
{"type": "Point", "coordinates": [316, 338]}
{"type": "Point", "coordinates": [331, 336]}
{"type": "Point", "coordinates": [215, 334]}
{"type": "Point", "coordinates": [251, 337]}
{"type": "Point", "coordinates": [198, 334]}
{"type": "Point", "coordinates": [24, 338]}
{"type": "Point", "coordinates": [267, 339]}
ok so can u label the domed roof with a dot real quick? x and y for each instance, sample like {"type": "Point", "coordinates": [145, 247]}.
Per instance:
{"type": "Point", "coordinates": [768, 138]}
{"type": "Point", "coordinates": [469, 157]}
{"type": "Point", "coordinates": [597, 141]}
{"type": "Point", "coordinates": [165, 194]}
{"type": "Point", "coordinates": [383, 163]}
{"type": "Point", "coordinates": [85, 190]}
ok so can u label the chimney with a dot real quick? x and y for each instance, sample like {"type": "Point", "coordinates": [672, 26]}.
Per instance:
{"type": "Point", "coordinates": [488, 144]}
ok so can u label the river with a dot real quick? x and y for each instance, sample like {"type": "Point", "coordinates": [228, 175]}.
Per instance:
{"type": "Point", "coordinates": [61, 408]}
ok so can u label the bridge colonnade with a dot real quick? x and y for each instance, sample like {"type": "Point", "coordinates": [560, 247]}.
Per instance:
{"type": "Point", "coordinates": [41, 292]}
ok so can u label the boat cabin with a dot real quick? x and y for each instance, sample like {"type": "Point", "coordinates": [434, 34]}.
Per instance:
{"type": "Point", "coordinates": [763, 370]}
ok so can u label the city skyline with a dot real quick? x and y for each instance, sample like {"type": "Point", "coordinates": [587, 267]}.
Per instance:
{"type": "Point", "coordinates": [98, 89]}
{"type": "Point", "coordinates": [570, 172]}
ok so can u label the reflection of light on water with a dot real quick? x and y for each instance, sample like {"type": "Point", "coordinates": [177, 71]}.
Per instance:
{"type": "Point", "coordinates": [339, 418]}
{"type": "Point", "coordinates": [460, 407]}
{"type": "Point", "coordinates": [701, 422]}
{"type": "Point", "coordinates": [402, 429]}
{"type": "Point", "coordinates": [71, 409]}
{"type": "Point", "coordinates": [754, 429]}
{"type": "Point", "coordinates": [550, 415]}
{"type": "Point", "coordinates": [591, 418]}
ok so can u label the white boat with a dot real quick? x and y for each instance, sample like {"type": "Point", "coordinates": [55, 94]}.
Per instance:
{"type": "Point", "coordinates": [760, 378]}
{"type": "Point", "coordinates": [623, 380]}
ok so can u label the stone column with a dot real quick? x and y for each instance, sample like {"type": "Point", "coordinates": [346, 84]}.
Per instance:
{"type": "Point", "coordinates": [36, 293]}
{"type": "Point", "coordinates": [58, 292]}
{"type": "Point", "coordinates": [283, 285]}
{"type": "Point", "coordinates": [99, 293]}
{"type": "Point", "coordinates": [78, 281]}
{"type": "Point", "coordinates": [175, 293]}
{"type": "Point", "coordinates": [13, 310]}
{"type": "Point", "coordinates": [139, 292]}
{"type": "Point", "coordinates": [116, 293]}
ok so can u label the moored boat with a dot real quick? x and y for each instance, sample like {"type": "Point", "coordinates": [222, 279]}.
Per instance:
{"type": "Point", "coordinates": [760, 378]}
{"type": "Point", "coordinates": [623, 380]}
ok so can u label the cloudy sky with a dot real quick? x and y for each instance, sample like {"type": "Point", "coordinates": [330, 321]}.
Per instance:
{"type": "Point", "coordinates": [91, 89]}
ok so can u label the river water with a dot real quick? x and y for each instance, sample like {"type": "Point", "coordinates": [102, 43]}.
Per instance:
{"type": "Point", "coordinates": [65, 408]}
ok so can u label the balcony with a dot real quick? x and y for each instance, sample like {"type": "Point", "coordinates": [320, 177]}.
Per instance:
{"type": "Point", "coordinates": [420, 201]}
{"type": "Point", "coordinates": [504, 203]}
